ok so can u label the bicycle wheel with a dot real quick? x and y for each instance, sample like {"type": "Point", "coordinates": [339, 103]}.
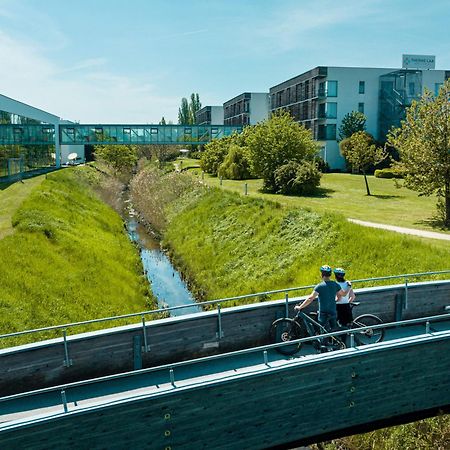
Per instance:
{"type": "Point", "coordinates": [368, 336]}
{"type": "Point", "coordinates": [285, 330]}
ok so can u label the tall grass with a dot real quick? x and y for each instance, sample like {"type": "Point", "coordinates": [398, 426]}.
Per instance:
{"type": "Point", "coordinates": [231, 245]}
{"type": "Point", "coordinates": [68, 260]}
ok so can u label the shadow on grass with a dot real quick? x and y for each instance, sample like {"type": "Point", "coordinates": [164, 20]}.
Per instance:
{"type": "Point", "coordinates": [434, 222]}
{"type": "Point", "coordinates": [4, 185]}
{"type": "Point", "coordinates": [321, 193]}
{"type": "Point", "coordinates": [386, 197]}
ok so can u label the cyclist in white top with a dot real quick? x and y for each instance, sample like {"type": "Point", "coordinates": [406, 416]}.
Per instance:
{"type": "Point", "coordinates": [344, 310]}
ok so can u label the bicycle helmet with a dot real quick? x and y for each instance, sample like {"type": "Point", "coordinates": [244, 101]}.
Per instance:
{"type": "Point", "coordinates": [339, 271]}
{"type": "Point", "coordinates": [326, 269]}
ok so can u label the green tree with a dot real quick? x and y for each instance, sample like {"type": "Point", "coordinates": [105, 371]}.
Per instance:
{"type": "Point", "coordinates": [352, 123]}
{"type": "Point", "coordinates": [215, 153]}
{"type": "Point", "coordinates": [184, 113]}
{"type": "Point", "coordinates": [275, 142]}
{"type": "Point", "coordinates": [194, 106]}
{"type": "Point", "coordinates": [187, 110]}
{"type": "Point", "coordinates": [423, 141]}
{"type": "Point", "coordinates": [236, 165]}
{"type": "Point", "coordinates": [361, 152]}
{"type": "Point", "coordinates": [121, 158]}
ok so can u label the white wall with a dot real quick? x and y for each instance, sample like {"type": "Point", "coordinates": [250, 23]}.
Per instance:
{"type": "Point", "coordinates": [216, 115]}
{"type": "Point", "coordinates": [431, 77]}
{"type": "Point", "coordinates": [259, 107]}
{"type": "Point", "coordinates": [347, 99]}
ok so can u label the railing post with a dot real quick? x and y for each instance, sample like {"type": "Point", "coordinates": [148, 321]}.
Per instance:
{"type": "Point", "coordinates": [352, 340]}
{"type": "Point", "coordinates": [266, 359]}
{"type": "Point", "coordinates": [219, 334]}
{"type": "Point", "coordinates": [172, 377]}
{"type": "Point", "coordinates": [287, 304]}
{"type": "Point", "coordinates": [67, 361]}
{"type": "Point", "coordinates": [146, 346]}
{"type": "Point", "coordinates": [406, 293]}
{"type": "Point", "coordinates": [64, 400]}
{"type": "Point", "coordinates": [427, 327]}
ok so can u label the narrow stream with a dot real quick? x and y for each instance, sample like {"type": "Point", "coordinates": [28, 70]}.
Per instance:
{"type": "Point", "coordinates": [166, 283]}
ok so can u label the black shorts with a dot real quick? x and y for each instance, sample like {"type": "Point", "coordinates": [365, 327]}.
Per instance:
{"type": "Point", "coordinates": [344, 314]}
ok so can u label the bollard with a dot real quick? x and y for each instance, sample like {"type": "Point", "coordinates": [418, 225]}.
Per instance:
{"type": "Point", "coordinates": [203, 175]}
{"type": "Point", "coordinates": [245, 189]}
{"type": "Point", "coordinates": [220, 181]}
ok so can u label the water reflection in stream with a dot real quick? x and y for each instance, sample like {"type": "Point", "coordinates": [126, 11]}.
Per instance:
{"type": "Point", "coordinates": [166, 283]}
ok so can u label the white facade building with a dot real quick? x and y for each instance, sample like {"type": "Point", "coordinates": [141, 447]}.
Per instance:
{"type": "Point", "coordinates": [321, 97]}
{"type": "Point", "coordinates": [209, 115]}
{"type": "Point", "coordinates": [248, 108]}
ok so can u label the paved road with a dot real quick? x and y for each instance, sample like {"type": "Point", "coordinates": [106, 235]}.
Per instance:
{"type": "Point", "coordinates": [412, 231]}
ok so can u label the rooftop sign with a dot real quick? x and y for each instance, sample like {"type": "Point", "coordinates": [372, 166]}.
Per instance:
{"type": "Point", "coordinates": [418, 61]}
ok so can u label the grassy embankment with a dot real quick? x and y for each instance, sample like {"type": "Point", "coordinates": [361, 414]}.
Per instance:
{"type": "Point", "coordinates": [66, 258]}
{"type": "Point", "coordinates": [231, 245]}
{"type": "Point", "coordinates": [345, 193]}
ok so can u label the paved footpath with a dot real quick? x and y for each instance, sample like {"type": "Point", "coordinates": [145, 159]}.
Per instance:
{"type": "Point", "coordinates": [414, 232]}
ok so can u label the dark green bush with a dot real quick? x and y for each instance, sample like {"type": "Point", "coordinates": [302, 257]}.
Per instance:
{"type": "Point", "coordinates": [236, 164]}
{"type": "Point", "coordinates": [388, 173]}
{"type": "Point", "coordinates": [296, 178]}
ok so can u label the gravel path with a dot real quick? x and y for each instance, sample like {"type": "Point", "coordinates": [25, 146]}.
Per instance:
{"type": "Point", "coordinates": [412, 231]}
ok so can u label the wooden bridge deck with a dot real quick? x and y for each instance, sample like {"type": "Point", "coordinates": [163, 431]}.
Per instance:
{"type": "Point", "coordinates": [38, 420]}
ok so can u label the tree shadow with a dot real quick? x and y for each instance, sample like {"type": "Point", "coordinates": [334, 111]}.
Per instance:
{"type": "Point", "coordinates": [434, 222]}
{"type": "Point", "coordinates": [321, 193]}
{"type": "Point", "coordinates": [385, 197]}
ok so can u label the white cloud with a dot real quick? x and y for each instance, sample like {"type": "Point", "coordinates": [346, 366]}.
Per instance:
{"type": "Point", "coordinates": [300, 26]}
{"type": "Point", "coordinates": [85, 91]}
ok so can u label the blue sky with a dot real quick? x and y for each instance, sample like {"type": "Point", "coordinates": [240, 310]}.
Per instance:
{"type": "Point", "coordinates": [131, 62]}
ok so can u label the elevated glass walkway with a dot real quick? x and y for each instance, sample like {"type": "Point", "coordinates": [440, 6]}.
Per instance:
{"type": "Point", "coordinates": [101, 134]}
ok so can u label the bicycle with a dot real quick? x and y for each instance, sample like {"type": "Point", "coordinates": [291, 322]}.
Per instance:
{"type": "Point", "coordinates": [306, 325]}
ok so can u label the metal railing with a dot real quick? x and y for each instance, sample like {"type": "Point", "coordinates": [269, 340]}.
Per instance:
{"type": "Point", "coordinates": [64, 327]}
{"type": "Point", "coordinates": [264, 358]}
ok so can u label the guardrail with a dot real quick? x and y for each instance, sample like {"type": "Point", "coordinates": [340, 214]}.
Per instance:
{"type": "Point", "coordinates": [263, 349]}
{"type": "Point", "coordinates": [405, 277]}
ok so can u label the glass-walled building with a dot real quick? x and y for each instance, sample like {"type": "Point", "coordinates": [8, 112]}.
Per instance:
{"type": "Point", "coordinates": [18, 159]}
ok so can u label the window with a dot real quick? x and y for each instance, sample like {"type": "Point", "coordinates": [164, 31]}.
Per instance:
{"type": "Point", "coordinates": [188, 131]}
{"type": "Point", "coordinates": [361, 107]}
{"type": "Point", "coordinates": [327, 132]}
{"type": "Point", "coordinates": [127, 131]}
{"type": "Point", "coordinates": [331, 110]}
{"type": "Point", "coordinates": [437, 86]}
{"type": "Point", "coordinates": [322, 89]}
{"type": "Point", "coordinates": [362, 87]}
{"type": "Point", "coordinates": [332, 87]}
{"type": "Point", "coordinates": [153, 130]}
{"type": "Point", "coordinates": [331, 132]}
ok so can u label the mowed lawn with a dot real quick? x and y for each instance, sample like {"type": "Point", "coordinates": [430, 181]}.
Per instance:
{"type": "Point", "coordinates": [346, 194]}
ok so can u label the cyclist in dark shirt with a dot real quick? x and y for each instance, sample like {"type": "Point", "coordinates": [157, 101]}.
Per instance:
{"type": "Point", "coordinates": [326, 292]}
